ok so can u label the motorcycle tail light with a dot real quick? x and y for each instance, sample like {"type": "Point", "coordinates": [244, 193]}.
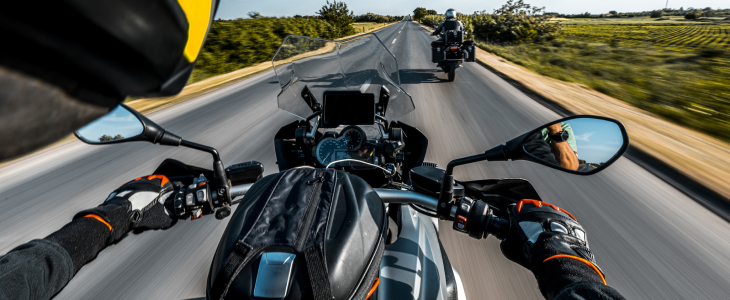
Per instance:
{"type": "Point", "coordinates": [454, 48]}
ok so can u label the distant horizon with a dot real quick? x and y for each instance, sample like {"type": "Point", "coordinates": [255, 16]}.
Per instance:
{"type": "Point", "coordinates": [235, 9]}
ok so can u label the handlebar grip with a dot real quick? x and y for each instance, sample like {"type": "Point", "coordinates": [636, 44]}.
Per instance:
{"type": "Point", "coordinates": [497, 227]}
{"type": "Point", "coordinates": [477, 219]}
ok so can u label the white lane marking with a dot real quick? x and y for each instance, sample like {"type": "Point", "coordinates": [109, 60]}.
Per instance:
{"type": "Point", "coordinates": [393, 41]}
{"type": "Point", "coordinates": [365, 86]}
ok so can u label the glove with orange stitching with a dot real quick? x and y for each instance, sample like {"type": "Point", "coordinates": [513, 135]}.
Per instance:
{"type": "Point", "coordinates": [551, 243]}
{"type": "Point", "coordinates": [140, 204]}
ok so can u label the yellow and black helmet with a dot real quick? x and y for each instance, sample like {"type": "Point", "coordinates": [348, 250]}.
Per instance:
{"type": "Point", "coordinates": [103, 51]}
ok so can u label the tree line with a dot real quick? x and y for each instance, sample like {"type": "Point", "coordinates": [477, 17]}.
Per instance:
{"type": "Point", "coordinates": [514, 22]}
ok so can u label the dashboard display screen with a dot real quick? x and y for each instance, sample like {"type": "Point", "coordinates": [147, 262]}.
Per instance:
{"type": "Point", "coordinates": [348, 108]}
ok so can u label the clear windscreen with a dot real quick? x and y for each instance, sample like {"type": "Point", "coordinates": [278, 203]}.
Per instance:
{"type": "Point", "coordinates": [360, 63]}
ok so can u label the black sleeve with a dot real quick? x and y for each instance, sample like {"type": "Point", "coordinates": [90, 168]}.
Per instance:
{"type": "Point", "coordinates": [39, 269]}
{"type": "Point", "coordinates": [565, 278]}
{"type": "Point", "coordinates": [438, 30]}
{"type": "Point", "coordinates": [588, 290]}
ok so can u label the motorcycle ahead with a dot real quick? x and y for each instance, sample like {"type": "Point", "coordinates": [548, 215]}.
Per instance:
{"type": "Point", "coordinates": [348, 98]}
{"type": "Point", "coordinates": [450, 52]}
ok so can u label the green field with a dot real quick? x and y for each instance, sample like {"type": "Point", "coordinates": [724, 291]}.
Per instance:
{"type": "Point", "coordinates": [680, 72]}
{"type": "Point", "coordinates": [667, 20]}
{"type": "Point", "coordinates": [672, 37]}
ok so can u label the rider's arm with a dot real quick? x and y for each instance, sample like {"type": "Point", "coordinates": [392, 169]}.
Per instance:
{"type": "Point", "coordinates": [438, 30]}
{"type": "Point", "coordinates": [564, 154]}
{"type": "Point", "coordinates": [550, 242]}
{"type": "Point", "coordinates": [569, 278]}
{"type": "Point", "coordinates": [40, 268]}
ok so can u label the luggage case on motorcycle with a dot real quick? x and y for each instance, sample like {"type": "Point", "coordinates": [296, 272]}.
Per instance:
{"type": "Point", "coordinates": [471, 51]}
{"type": "Point", "coordinates": [438, 52]}
{"type": "Point", "coordinates": [454, 37]}
{"type": "Point", "coordinates": [302, 234]}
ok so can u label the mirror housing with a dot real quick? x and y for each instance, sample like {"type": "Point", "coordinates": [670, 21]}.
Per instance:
{"type": "Point", "coordinates": [151, 132]}
{"type": "Point", "coordinates": [515, 150]}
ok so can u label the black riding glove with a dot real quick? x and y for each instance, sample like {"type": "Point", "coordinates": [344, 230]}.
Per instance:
{"type": "Point", "coordinates": [140, 204]}
{"type": "Point", "coordinates": [549, 241]}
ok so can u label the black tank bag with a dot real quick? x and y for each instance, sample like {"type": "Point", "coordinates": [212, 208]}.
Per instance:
{"type": "Point", "coordinates": [302, 234]}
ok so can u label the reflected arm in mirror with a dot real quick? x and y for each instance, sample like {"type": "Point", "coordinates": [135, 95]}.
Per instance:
{"type": "Point", "coordinates": [566, 155]}
{"type": "Point", "coordinates": [581, 145]}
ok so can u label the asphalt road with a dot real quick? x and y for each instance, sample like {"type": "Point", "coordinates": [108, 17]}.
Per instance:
{"type": "Point", "coordinates": [651, 240]}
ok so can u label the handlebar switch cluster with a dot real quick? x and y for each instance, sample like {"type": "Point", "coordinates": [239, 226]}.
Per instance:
{"type": "Point", "coordinates": [197, 196]}
{"type": "Point", "coordinates": [476, 219]}
{"type": "Point", "coordinates": [463, 211]}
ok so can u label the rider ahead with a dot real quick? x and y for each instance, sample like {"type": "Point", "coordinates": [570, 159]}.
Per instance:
{"type": "Point", "coordinates": [450, 23]}
{"type": "Point", "coordinates": [62, 73]}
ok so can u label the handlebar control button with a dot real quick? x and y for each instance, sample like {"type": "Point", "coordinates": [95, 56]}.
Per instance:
{"type": "Point", "coordinates": [461, 223]}
{"type": "Point", "coordinates": [196, 214]}
{"type": "Point", "coordinates": [189, 199]}
{"type": "Point", "coordinates": [462, 215]}
{"type": "Point", "coordinates": [201, 195]}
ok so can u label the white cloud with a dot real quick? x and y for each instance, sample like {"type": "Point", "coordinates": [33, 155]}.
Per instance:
{"type": "Point", "coordinates": [585, 137]}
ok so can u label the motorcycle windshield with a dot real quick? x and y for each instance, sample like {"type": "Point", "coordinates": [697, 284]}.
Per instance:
{"type": "Point", "coordinates": [360, 63]}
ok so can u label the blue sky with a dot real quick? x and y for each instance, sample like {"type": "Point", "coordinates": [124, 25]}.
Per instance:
{"type": "Point", "coordinates": [597, 140]}
{"type": "Point", "coordinates": [232, 9]}
{"type": "Point", "coordinates": [117, 121]}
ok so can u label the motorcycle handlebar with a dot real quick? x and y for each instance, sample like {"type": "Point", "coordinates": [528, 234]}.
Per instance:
{"type": "Point", "coordinates": [494, 225]}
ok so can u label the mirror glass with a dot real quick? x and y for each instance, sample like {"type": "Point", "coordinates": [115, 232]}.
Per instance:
{"type": "Point", "coordinates": [581, 144]}
{"type": "Point", "coordinates": [118, 125]}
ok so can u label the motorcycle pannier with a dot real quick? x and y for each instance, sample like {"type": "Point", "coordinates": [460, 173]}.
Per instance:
{"type": "Point", "coordinates": [437, 52]}
{"type": "Point", "coordinates": [471, 51]}
{"type": "Point", "coordinates": [454, 37]}
{"type": "Point", "coordinates": [302, 234]}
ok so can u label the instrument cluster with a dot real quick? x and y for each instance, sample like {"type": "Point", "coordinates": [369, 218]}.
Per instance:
{"type": "Point", "coordinates": [347, 144]}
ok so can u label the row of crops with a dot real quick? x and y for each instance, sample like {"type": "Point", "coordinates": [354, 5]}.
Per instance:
{"type": "Point", "coordinates": [693, 36]}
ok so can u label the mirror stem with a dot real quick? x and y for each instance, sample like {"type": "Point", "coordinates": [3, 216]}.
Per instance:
{"type": "Point", "coordinates": [204, 148]}
{"type": "Point", "coordinates": [219, 171]}
{"type": "Point", "coordinates": [463, 161]}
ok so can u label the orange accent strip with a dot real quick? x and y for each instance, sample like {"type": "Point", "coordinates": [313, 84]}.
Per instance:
{"type": "Point", "coordinates": [590, 264]}
{"type": "Point", "coordinates": [201, 184]}
{"type": "Point", "coordinates": [163, 179]}
{"type": "Point", "coordinates": [538, 203]}
{"type": "Point", "coordinates": [100, 219]}
{"type": "Point", "coordinates": [372, 289]}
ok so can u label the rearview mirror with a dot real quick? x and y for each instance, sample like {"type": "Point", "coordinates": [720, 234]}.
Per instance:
{"type": "Point", "coordinates": [117, 126]}
{"type": "Point", "coordinates": [124, 124]}
{"type": "Point", "coordinates": [580, 145]}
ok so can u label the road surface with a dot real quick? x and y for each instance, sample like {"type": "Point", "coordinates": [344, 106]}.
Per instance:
{"type": "Point", "coordinates": [651, 240]}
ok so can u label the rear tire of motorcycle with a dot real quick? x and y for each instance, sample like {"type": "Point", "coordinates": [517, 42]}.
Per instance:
{"type": "Point", "coordinates": [452, 74]}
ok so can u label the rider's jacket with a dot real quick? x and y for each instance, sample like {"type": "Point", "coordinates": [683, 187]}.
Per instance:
{"type": "Point", "coordinates": [40, 268]}
{"type": "Point", "coordinates": [449, 24]}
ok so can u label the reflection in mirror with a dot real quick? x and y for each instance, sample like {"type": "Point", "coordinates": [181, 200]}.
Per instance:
{"type": "Point", "coordinates": [580, 144]}
{"type": "Point", "coordinates": [119, 124]}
